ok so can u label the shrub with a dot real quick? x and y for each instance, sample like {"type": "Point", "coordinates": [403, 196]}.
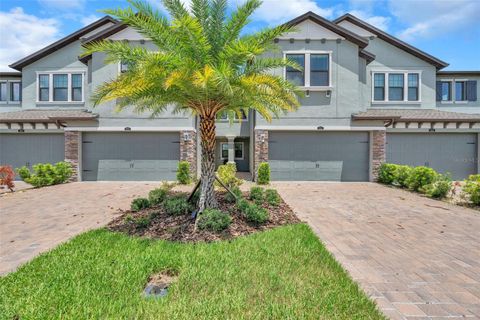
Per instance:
{"type": "Point", "coordinates": [243, 205]}
{"type": "Point", "coordinates": [46, 174]}
{"type": "Point", "coordinates": [472, 188]}
{"type": "Point", "coordinates": [128, 218]}
{"type": "Point", "coordinates": [139, 204]}
{"type": "Point", "coordinates": [386, 173]}
{"type": "Point", "coordinates": [157, 196]}
{"type": "Point", "coordinates": [183, 172]}
{"type": "Point", "coordinates": [176, 206]}
{"type": "Point", "coordinates": [256, 194]}
{"type": "Point", "coordinates": [439, 188]}
{"type": "Point", "coordinates": [263, 173]}
{"type": "Point", "coordinates": [6, 177]}
{"type": "Point", "coordinates": [256, 214]}
{"type": "Point", "coordinates": [272, 197]}
{"type": "Point", "coordinates": [227, 174]}
{"type": "Point", "coordinates": [214, 220]}
{"type": "Point", "coordinates": [230, 198]}
{"type": "Point", "coordinates": [402, 173]}
{"type": "Point", "coordinates": [419, 177]}
{"type": "Point", "coordinates": [142, 222]}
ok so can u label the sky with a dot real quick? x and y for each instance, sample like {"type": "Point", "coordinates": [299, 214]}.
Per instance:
{"type": "Point", "coordinates": [446, 29]}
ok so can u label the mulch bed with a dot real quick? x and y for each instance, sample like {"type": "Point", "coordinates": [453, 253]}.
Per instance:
{"type": "Point", "coordinates": [180, 228]}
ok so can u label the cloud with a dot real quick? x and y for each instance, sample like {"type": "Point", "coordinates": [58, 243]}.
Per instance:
{"type": "Point", "coordinates": [86, 20]}
{"type": "Point", "coordinates": [428, 19]}
{"type": "Point", "coordinates": [62, 4]}
{"type": "Point", "coordinates": [27, 34]}
{"type": "Point", "coordinates": [380, 22]}
{"type": "Point", "coordinates": [275, 12]}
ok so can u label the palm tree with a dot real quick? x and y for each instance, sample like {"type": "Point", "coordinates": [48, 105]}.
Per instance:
{"type": "Point", "coordinates": [203, 66]}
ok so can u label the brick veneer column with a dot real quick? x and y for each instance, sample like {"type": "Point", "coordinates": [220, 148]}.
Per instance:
{"type": "Point", "coordinates": [72, 141]}
{"type": "Point", "coordinates": [188, 149]}
{"type": "Point", "coordinates": [261, 149]}
{"type": "Point", "coordinates": [379, 140]}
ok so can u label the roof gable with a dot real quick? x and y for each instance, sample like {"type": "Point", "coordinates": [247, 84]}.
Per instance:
{"type": "Point", "coordinates": [18, 65]}
{"type": "Point", "coordinates": [439, 64]}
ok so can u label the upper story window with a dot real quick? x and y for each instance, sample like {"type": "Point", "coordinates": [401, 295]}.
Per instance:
{"type": "Point", "coordinates": [456, 91]}
{"type": "Point", "coordinates": [315, 69]}
{"type": "Point", "coordinates": [224, 116]}
{"type": "Point", "coordinates": [10, 91]}
{"type": "Point", "coordinates": [397, 87]}
{"type": "Point", "coordinates": [61, 87]}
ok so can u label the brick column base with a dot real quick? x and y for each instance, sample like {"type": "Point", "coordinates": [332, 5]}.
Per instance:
{"type": "Point", "coordinates": [261, 150]}
{"type": "Point", "coordinates": [72, 142]}
{"type": "Point", "coordinates": [188, 149]}
{"type": "Point", "coordinates": [379, 141]}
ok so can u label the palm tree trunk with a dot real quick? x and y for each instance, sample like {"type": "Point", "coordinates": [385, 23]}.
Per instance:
{"type": "Point", "coordinates": [207, 135]}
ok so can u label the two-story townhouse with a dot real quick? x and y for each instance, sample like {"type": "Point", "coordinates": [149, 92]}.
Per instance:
{"type": "Point", "coordinates": [369, 98]}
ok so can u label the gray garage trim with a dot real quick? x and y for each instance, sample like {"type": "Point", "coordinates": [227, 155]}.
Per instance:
{"type": "Point", "coordinates": [454, 153]}
{"type": "Point", "coordinates": [319, 156]}
{"type": "Point", "coordinates": [27, 149]}
{"type": "Point", "coordinates": [133, 156]}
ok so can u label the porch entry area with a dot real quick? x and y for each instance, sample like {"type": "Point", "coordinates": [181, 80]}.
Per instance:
{"type": "Point", "coordinates": [233, 149]}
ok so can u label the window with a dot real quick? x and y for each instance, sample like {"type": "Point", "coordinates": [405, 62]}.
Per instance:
{"type": "Point", "coordinates": [76, 87]}
{"type": "Point", "coordinates": [43, 87]}
{"type": "Point", "coordinates": [15, 91]}
{"type": "Point", "coordinates": [224, 116]}
{"type": "Point", "coordinates": [319, 65]}
{"type": "Point", "coordinates": [395, 87]}
{"type": "Point", "coordinates": [295, 76]}
{"type": "Point", "coordinates": [60, 87]}
{"type": "Point", "coordinates": [3, 91]}
{"type": "Point", "coordinates": [123, 66]}
{"type": "Point", "coordinates": [237, 150]}
{"type": "Point", "coordinates": [379, 87]}
{"type": "Point", "coordinates": [460, 91]}
{"type": "Point", "coordinates": [64, 87]}
{"type": "Point", "coordinates": [413, 87]}
{"type": "Point", "coordinates": [446, 87]}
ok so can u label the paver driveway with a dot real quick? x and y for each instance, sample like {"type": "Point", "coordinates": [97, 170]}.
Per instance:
{"type": "Point", "coordinates": [418, 258]}
{"type": "Point", "coordinates": [33, 221]}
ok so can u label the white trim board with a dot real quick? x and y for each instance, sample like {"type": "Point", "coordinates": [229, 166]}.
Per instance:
{"type": "Point", "coordinates": [314, 128]}
{"type": "Point", "coordinates": [132, 129]}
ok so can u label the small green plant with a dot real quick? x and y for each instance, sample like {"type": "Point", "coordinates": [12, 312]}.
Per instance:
{"type": "Point", "coordinates": [230, 198]}
{"type": "Point", "coordinates": [272, 197]}
{"type": "Point", "coordinates": [256, 194]}
{"type": "Point", "coordinates": [243, 205]}
{"type": "Point", "coordinates": [139, 204]}
{"type": "Point", "coordinates": [157, 196]}
{"type": "Point", "coordinates": [256, 214]}
{"type": "Point", "coordinates": [176, 205]}
{"type": "Point", "coordinates": [263, 173]}
{"type": "Point", "coordinates": [46, 174]}
{"type": "Point", "coordinates": [214, 220]}
{"type": "Point", "coordinates": [420, 177]}
{"type": "Point", "coordinates": [472, 188]}
{"type": "Point", "coordinates": [128, 218]}
{"type": "Point", "coordinates": [183, 172]}
{"type": "Point", "coordinates": [142, 222]}
{"type": "Point", "coordinates": [402, 173]}
{"type": "Point", "coordinates": [386, 173]}
{"type": "Point", "coordinates": [439, 188]}
{"type": "Point", "coordinates": [227, 174]}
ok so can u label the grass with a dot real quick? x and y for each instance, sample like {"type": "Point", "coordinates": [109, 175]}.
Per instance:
{"type": "Point", "coordinates": [282, 273]}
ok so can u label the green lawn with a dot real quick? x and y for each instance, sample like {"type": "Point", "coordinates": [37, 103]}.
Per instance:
{"type": "Point", "coordinates": [281, 273]}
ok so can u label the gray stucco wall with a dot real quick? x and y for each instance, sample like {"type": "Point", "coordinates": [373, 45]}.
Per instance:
{"type": "Point", "coordinates": [464, 106]}
{"type": "Point", "coordinates": [318, 109]}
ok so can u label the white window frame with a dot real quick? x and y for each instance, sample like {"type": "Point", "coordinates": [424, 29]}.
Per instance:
{"type": "Point", "coordinates": [306, 70]}
{"type": "Point", "coordinates": [69, 86]}
{"type": "Point", "coordinates": [9, 92]}
{"type": "Point", "coordinates": [452, 97]}
{"type": "Point", "coordinates": [235, 158]}
{"type": "Point", "coordinates": [235, 120]}
{"type": "Point", "coordinates": [405, 86]}
{"type": "Point", "coordinates": [8, 95]}
{"type": "Point", "coordinates": [454, 91]}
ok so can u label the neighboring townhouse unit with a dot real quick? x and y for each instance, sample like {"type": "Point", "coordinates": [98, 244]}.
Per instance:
{"type": "Point", "coordinates": [369, 98]}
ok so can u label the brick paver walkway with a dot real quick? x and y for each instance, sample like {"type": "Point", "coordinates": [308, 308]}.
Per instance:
{"type": "Point", "coordinates": [417, 258]}
{"type": "Point", "coordinates": [36, 220]}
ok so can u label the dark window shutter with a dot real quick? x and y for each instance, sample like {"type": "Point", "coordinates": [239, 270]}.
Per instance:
{"type": "Point", "coordinates": [472, 90]}
{"type": "Point", "coordinates": [439, 91]}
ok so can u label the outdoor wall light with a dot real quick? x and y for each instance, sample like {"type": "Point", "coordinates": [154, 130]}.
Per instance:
{"type": "Point", "coordinates": [307, 40]}
{"type": "Point", "coordinates": [21, 130]}
{"type": "Point", "coordinates": [292, 40]}
{"type": "Point", "coordinates": [323, 40]}
{"type": "Point", "coordinates": [328, 93]}
{"type": "Point", "coordinates": [307, 93]}
{"type": "Point", "coordinates": [320, 128]}
{"type": "Point", "coordinates": [186, 136]}
{"type": "Point", "coordinates": [431, 130]}
{"type": "Point", "coordinates": [128, 129]}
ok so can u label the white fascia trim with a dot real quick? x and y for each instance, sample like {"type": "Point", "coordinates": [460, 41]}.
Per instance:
{"type": "Point", "coordinates": [132, 129]}
{"type": "Point", "coordinates": [314, 128]}
{"type": "Point", "coordinates": [420, 130]}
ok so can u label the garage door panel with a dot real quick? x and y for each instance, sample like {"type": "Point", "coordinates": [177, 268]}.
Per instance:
{"type": "Point", "coordinates": [27, 149]}
{"type": "Point", "coordinates": [453, 153]}
{"type": "Point", "coordinates": [317, 156]}
{"type": "Point", "coordinates": [130, 156]}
